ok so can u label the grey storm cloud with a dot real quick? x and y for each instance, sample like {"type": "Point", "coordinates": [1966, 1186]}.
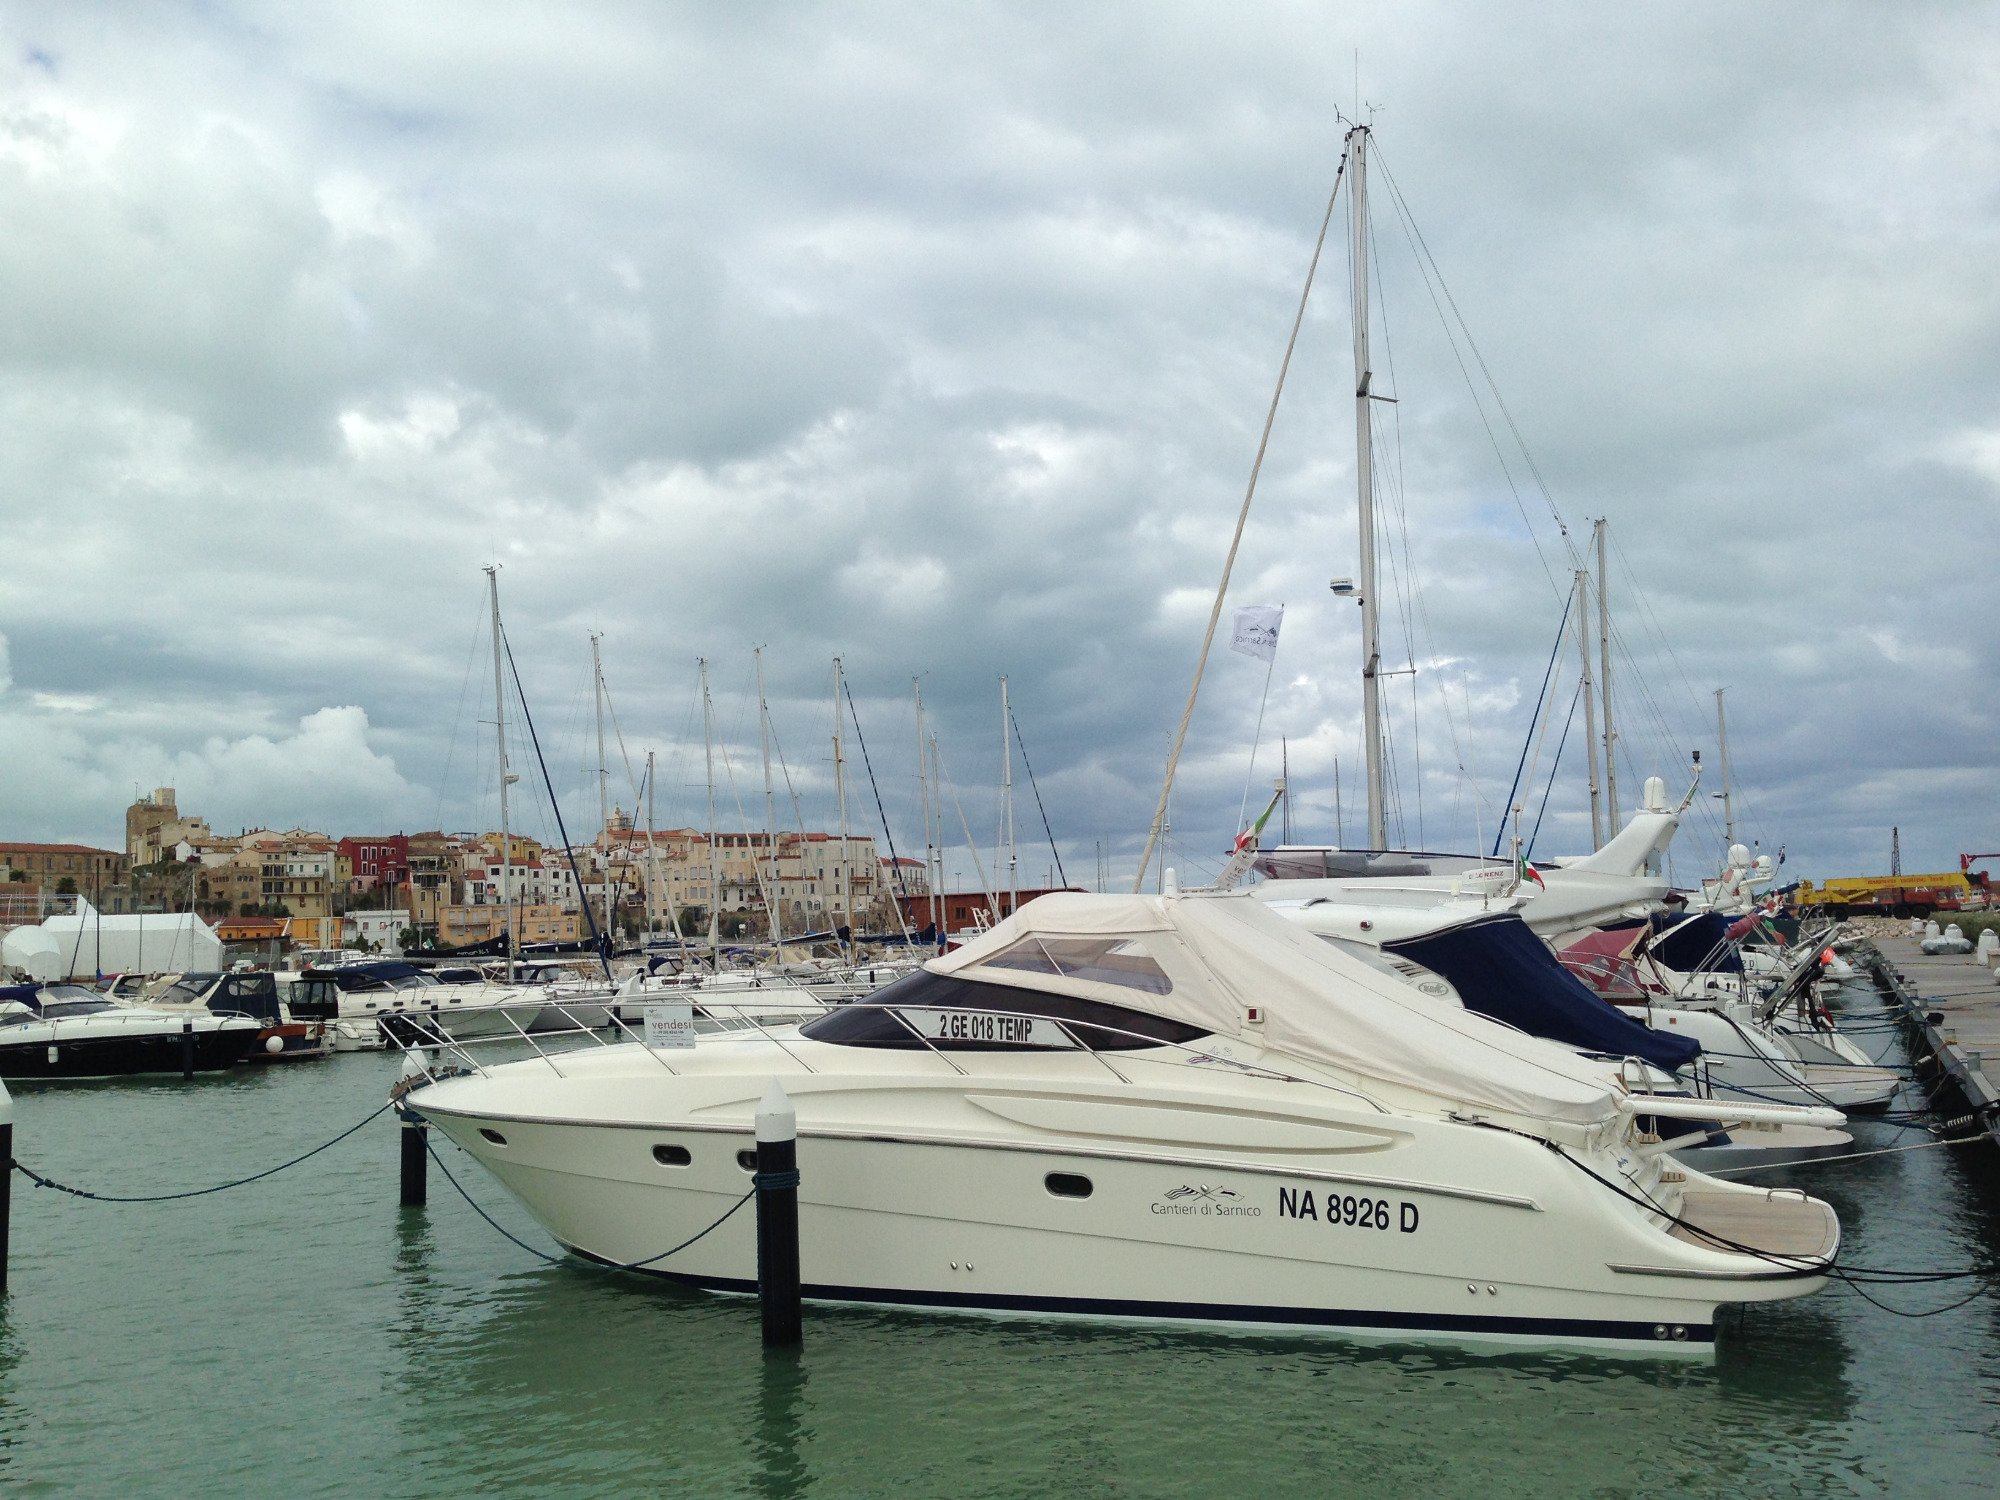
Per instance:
{"type": "Point", "coordinates": [940, 338]}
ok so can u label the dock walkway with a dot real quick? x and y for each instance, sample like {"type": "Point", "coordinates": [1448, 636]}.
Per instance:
{"type": "Point", "coordinates": [1953, 1002]}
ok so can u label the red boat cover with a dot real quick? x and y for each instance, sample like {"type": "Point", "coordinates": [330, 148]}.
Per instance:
{"type": "Point", "coordinates": [1604, 961]}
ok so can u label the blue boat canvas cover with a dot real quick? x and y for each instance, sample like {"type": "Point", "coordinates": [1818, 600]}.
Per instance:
{"type": "Point", "coordinates": [1501, 969]}
{"type": "Point", "coordinates": [1700, 944]}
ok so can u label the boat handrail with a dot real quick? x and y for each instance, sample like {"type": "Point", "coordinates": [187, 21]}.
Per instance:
{"type": "Point", "coordinates": [754, 1015]}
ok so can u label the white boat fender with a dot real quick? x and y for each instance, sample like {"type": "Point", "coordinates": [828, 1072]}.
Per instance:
{"type": "Point", "coordinates": [274, 1045]}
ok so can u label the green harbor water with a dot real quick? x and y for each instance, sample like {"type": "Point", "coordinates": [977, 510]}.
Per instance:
{"type": "Point", "coordinates": [305, 1336]}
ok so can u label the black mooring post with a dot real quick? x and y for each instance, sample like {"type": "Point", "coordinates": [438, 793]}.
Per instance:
{"type": "Point", "coordinates": [414, 1135]}
{"type": "Point", "coordinates": [777, 1186]}
{"type": "Point", "coordinates": [187, 1046]}
{"type": "Point", "coordinates": [415, 1157]}
{"type": "Point", "coordinates": [6, 1177]}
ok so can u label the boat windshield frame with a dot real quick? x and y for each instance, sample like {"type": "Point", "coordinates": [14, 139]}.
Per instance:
{"type": "Point", "coordinates": [1048, 1022]}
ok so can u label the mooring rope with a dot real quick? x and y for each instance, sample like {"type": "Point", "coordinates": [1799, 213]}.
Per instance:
{"type": "Point", "coordinates": [1828, 1161]}
{"type": "Point", "coordinates": [76, 1192]}
{"type": "Point", "coordinates": [556, 1260]}
{"type": "Point", "coordinates": [1854, 1278]}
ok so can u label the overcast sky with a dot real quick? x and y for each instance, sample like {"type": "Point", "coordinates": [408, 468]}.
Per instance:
{"type": "Point", "coordinates": [940, 337]}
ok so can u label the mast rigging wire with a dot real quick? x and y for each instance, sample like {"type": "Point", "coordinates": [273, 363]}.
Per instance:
{"type": "Point", "coordinates": [1236, 541]}
{"type": "Point", "coordinates": [1541, 698]}
{"type": "Point", "coordinates": [598, 940]}
{"type": "Point", "coordinates": [1054, 852]}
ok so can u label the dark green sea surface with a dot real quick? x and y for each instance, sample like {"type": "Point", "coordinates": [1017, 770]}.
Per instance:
{"type": "Point", "coordinates": [305, 1336]}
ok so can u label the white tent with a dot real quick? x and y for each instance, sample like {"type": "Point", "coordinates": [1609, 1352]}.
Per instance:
{"type": "Point", "coordinates": [32, 952]}
{"type": "Point", "coordinates": [92, 943]}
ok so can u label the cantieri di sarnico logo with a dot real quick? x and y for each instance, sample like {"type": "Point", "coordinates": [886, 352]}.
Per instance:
{"type": "Point", "coordinates": [1199, 1200]}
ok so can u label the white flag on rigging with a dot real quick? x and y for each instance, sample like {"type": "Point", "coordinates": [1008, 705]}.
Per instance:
{"type": "Point", "coordinates": [1256, 630]}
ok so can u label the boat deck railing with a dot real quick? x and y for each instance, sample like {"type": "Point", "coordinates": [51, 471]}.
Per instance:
{"type": "Point", "coordinates": [426, 1040]}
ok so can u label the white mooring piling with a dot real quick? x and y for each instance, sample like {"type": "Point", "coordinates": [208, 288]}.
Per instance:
{"type": "Point", "coordinates": [777, 1187]}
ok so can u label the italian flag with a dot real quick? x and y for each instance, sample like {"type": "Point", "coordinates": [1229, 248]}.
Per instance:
{"type": "Point", "coordinates": [1529, 872]}
{"type": "Point", "coordinates": [1249, 835]}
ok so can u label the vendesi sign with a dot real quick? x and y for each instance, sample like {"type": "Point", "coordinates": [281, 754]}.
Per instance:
{"type": "Point", "coordinates": [670, 1025]}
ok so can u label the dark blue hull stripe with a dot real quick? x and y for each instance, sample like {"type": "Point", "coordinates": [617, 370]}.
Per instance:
{"type": "Point", "coordinates": [1210, 1312]}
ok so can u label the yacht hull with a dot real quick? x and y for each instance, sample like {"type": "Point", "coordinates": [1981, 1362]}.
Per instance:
{"type": "Point", "coordinates": [1368, 1247]}
{"type": "Point", "coordinates": [73, 1055]}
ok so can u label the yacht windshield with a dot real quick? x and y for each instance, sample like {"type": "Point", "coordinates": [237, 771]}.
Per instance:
{"type": "Point", "coordinates": [377, 977]}
{"type": "Point", "coordinates": [69, 992]}
{"type": "Point", "coordinates": [1116, 960]}
{"type": "Point", "coordinates": [187, 990]}
{"type": "Point", "coordinates": [960, 1015]}
{"type": "Point", "coordinates": [53, 1010]}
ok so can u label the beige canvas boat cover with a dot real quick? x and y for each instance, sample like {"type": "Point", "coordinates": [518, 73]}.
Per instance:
{"type": "Point", "coordinates": [1206, 958]}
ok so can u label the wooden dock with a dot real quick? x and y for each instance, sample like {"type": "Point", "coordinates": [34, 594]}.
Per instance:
{"type": "Point", "coordinates": [1952, 1004]}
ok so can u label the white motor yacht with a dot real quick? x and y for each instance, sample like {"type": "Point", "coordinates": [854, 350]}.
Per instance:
{"type": "Point", "coordinates": [357, 1001]}
{"type": "Point", "coordinates": [1179, 1108]}
{"type": "Point", "coordinates": [1494, 964]}
{"type": "Point", "coordinates": [1561, 896]}
{"type": "Point", "coordinates": [254, 993]}
{"type": "Point", "coordinates": [1689, 980]}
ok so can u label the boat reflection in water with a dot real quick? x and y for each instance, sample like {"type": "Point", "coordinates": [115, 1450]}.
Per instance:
{"type": "Point", "coordinates": [1179, 1108]}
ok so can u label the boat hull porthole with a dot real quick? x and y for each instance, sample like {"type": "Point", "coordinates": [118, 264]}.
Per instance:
{"type": "Point", "coordinates": [493, 1135]}
{"type": "Point", "coordinates": [672, 1156]}
{"type": "Point", "coordinates": [1068, 1185]}
{"type": "Point", "coordinates": [747, 1160]}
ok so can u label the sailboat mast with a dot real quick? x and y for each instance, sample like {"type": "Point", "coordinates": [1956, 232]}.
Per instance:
{"type": "Point", "coordinates": [714, 866]}
{"type": "Point", "coordinates": [1589, 704]}
{"type": "Point", "coordinates": [1604, 683]}
{"type": "Point", "coordinates": [1007, 802]}
{"type": "Point", "coordinates": [1364, 473]}
{"type": "Point", "coordinates": [840, 795]}
{"type": "Point", "coordinates": [500, 739]}
{"type": "Point", "coordinates": [937, 845]}
{"type": "Point", "coordinates": [603, 778]}
{"type": "Point", "coordinates": [1722, 748]}
{"type": "Point", "coordinates": [924, 786]}
{"type": "Point", "coordinates": [652, 855]}
{"type": "Point", "coordinates": [772, 901]}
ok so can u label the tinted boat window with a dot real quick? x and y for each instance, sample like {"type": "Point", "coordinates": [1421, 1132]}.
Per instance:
{"type": "Point", "coordinates": [960, 1015]}
{"type": "Point", "coordinates": [314, 998]}
{"type": "Point", "coordinates": [1115, 960]}
{"type": "Point", "coordinates": [63, 1008]}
